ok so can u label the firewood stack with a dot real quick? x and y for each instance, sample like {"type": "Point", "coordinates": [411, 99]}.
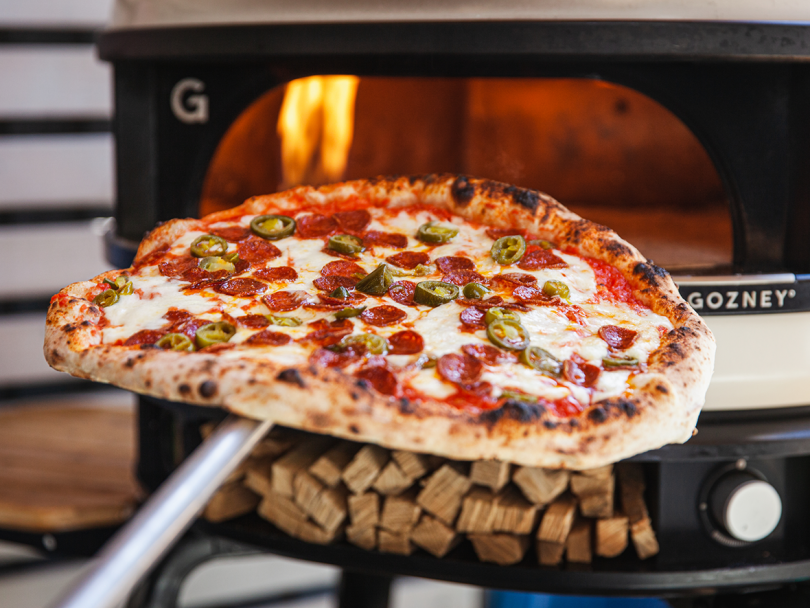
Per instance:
{"type": "Point", "coordinates": [322, 489]}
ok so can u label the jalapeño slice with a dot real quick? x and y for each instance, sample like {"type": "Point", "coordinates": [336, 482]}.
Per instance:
{"type": "Point", "coordinates": [375, 345]}
{"type": "Point", "coordinates": [214, 333]}
{"type": "Point", "coordinates": [272, 227]}
{"type": "Point", "coordinates": [612, 361]}
{"type": "Point", "coordinates": [556, 288]}
{"type": "Point", "coordinates": [175, 342]}
{"type": "Point", "coordinates": [208, 245]}
{"type": "Point", "coordinates": [122, 285]}
{"type": "Point", "coordinates": [215, 263]}
{"type": "Point", "coordinates": [541, 360]}
{"type": "Point", "coordinates": [474, 291]}
{"type": "Point", "coordinates": [508, 334]}
{"type": "Point", "coordinates": [347, 313]}
{"type": "Point", "coordinates": [377, 282]}
{"type": "Point", "coordinates": [542, 243]}
{"type": "Point", "coordinates": [106, 298]}
{"type": "Point", "coordinates": [508, 249]}
{"type": "Point", "coordinates": [431, 233]}
{"type": "Point", "coordinates": [283, 321]}
{"type": "Point", "coordinates": [435, 293]}
{"type": "Point", "coordinates": [496, 312]}
{"type": "Point", "coordinates": [346, 243]}
{"type": "Point", "coordinates": [341, 293]}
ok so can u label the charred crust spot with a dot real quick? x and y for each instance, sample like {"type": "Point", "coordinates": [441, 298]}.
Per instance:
{"type": "Point", "coordinates": [462, 190]}
{"type": "Point", "coordinates": [129, 363]}
{"type": "Point", "coordinates": [69, 328]}
{"type": "Point", "coordinates": [615, 248]}
{"type": "Point", "coordinates": [147, 383]}
{"type": "Point", "coordinates": [291, 376]}
{"type": "Point", "coordinates": [354, 429]}
{"type": "Point", "coordinates": [55, 356]}
{"type": "Point", "coordinates": [662, 389]}
{"type": "Point", "coordinates": [85, 323]}
{"type": "Point", "coordinates": [321, 420]}
{"type": "Point", "coordinates": [513, 409]}
{"type": "Point", "coordinates": [528, 199]}
{"type": "Point", "coordinates": [362, 384]}
{"type": "Point", "coordinates": [184, 389]}
{"type": "Point", "coordinates": [598, 415]}
{"type": "Point", "coordinates": [406, 406]}
{"type": "Point", "coordinates": [550, 425]}
{"type": "Point", "coordinates": [207, 389]}
{"type": "Point", "coordinates": [93, 310]}
{"type": "Point", "coordinates": [354, 395]}
{"type": "Point", "coordinates": [649, 273]}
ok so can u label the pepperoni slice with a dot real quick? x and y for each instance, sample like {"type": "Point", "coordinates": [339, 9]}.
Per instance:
{"type": "Point", "coordinates": [408, 259]}
{"type": "Point", "coordinates": [376, 238]}
{"type": "Point", "coordinates": [617, 337]}
{"type": "Point", "coordinates": [150, 258]}
{"type": "Point", "coordinates": [353, 221]}
{"type": "Point", "coordinates": [145, 336]}
{"type": "Point", "coordinates": [188, 327]}
{"type": "Point", "coordinates": [531, 294]}
{"type": "Point", "coordinates": [461, 369]}
{"type": "Point", "coordinates": [174, 315]}
{"type": "Point", "coordinates": [231, 233]}
{"type": "Point", "coordinates": [342, 268]}
{"type": "Point", "coordinates": [454, 263]}
{"type": "Point", "coordinates": [267, 337]}
{"type": "Point", "coordinates": [497, 233]}
{"type": "Point", "coordinates": [241, 266]}
{"type": "Point", "coordinates": [323, 357]}
{"type": "Point", "coordinates": [383, 316]}
{"type": "Point", "coordinates": [510, 280]}
{"type": "Point", "coordinates": [381, 379]}
{"type": "Point", "coordinates": [462, 277]}
{"type": "Point", "coordinates": [177, 267]}
{"type": "Point", "coordinates": [315, 225]}
{"type": "Point", "coordinates": [402, 292]}
{"type": "Point", "coordinates": [277, 274]}
{"type": "Point", "coordinates": [488, 303]}
{"type": "Point", "coordinates": [472, 319]}
{"type": "Point", "coordinates": [330, 284]}
{"type": "Point", "coordinates": [488, 354]}
{"type": "Point", "coordinates": [252, 321]}
{"type": "Point", "coordinates": [573, 313]}
{"type": "Point", "coordinates": [256, 250]}
{"type": "Point", "coordinates": [538, 258]}
{"type": "Point", "coordinates": [284, 301]}
{"type": "Point", "coordinates": [406, 342]}
{"type": "Point", "coordinates": [326, 333]}
{"type": "Point", "coordinates": [580, 373]}
{"type": "Point", "coordinates": [354, 298]}
{"type": "Point", "coordinates": [241, 287]}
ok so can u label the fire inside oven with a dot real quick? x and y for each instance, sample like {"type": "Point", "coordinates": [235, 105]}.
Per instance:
{"type": "Point", "coordinates": [607, 152]}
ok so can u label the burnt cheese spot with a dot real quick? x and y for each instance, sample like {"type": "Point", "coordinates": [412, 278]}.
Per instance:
{"type": "Point", "coordinates": [207, 389]}
{"type": "Point", "coordinates": [291, 376]}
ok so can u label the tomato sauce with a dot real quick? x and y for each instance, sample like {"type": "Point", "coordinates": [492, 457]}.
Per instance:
{"type": "Point", "coordinates": [612, 285]}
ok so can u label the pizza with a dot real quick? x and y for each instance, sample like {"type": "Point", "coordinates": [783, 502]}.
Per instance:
{"type": "Point", "coordinates": [438, 314]}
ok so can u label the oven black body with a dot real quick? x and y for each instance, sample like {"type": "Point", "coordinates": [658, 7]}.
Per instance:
{"type": "Point", "coordinates": [742, 88]}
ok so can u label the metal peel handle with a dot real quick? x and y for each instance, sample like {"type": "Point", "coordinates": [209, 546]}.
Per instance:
{"type": "Point", "coordinates": [136, 547]}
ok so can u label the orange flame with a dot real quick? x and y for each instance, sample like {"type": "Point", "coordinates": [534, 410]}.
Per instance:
{"type": "Point", "coordinates": [316, 126]}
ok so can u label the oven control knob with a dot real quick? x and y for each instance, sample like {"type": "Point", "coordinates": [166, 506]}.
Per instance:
{"type": "Point", "coordinates": [746, 506]}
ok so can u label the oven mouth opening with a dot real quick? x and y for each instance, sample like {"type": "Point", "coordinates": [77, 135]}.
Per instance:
{"type": "Point", "coordinates": [607, 152]}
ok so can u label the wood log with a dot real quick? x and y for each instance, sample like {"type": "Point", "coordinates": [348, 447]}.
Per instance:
{"type": "Point", "coordinates": [259, 476]}
{"type": "Point", "coordinates": [631, 491]}
{"type": "Point", "coordinates": [329, 467]}
{"type": "Point", "coordinates": [443, 492]}
{"type": "Point", "coordinates": [502, 549]}
{"type": "Point", "coordinates": [603, 472]}
{"type": "Point", "coordinates": [490, 473]}
{"type": "Point", "coordinates": [290, 518]}
{"type": "Point", "coordinates": [364, 509]}
{"type": "Point", "coordinates": [477, 512]}
{"type": "Point", "coordinates": [362, 536]}
{"type": "Point", "coordinates": [400, 513]}
{"type": "Point", "coordinates": [611, 536]}
{"type": "Point", "coordinates": [364, 468]}
{"type": "Point", "coordinates": [579, 542]}
{"type": "Point", "coordinates": [644, 540]}
{"type": "Point", "coordinates": [326, 506]}
{"type": "Point", "coordinates": [391, 480]}
{"type": "Point", "coordinates": [540, 486]}
{"type": "Point", "coordinates": [513, 513]}
{"type": "Point", "coordinates": [240, 471]}
{"type": "Point", "coordinates": [276, 442]}
{"type": "Point", "coordinates": [557, 520]}
{"type": "Point", "coordinates": [393, 542]}
{"type": "Point", "coordinates": [231, 500]}
{"type": "Point", "coordinates": [434, 537]}
{"type": "Point", "coordinates": [299, 458]}
{"type": "Point", "coordinates": [595, 492]}
{"type": "Point", "coordinates": [413, 465]}
{"type": "Point", "coordinates": [550, 554]}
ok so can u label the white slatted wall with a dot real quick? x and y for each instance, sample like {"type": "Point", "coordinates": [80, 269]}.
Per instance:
{"type": "Point", "coordinates": [56, 171]}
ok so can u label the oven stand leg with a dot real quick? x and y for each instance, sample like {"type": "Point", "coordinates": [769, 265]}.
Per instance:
{"type": "Point", "coordinates": [363, 590]}
{"type": "Point", "coordinates": [161, 588]}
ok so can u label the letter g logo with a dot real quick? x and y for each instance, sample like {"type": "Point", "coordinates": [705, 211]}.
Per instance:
{"type": "Point", "coordinates": [195, 108]}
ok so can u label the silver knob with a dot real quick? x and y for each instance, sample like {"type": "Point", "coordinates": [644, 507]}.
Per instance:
{"type": "Point", "coordinates": [746, 506]}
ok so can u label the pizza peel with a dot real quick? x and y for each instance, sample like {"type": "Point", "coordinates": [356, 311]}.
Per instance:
{"type": "Point", "coordinates": [140, 544]}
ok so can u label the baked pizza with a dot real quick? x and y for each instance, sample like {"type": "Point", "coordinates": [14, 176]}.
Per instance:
{"type": "Point", "coordinates": [437, 314]}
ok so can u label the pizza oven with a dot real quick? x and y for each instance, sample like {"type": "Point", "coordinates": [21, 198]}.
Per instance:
{"type": "Point", "coordinates": [681, 126]}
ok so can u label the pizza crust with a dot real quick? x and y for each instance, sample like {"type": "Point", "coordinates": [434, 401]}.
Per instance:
{"type": "Point", "coordinates": [664, 408]}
